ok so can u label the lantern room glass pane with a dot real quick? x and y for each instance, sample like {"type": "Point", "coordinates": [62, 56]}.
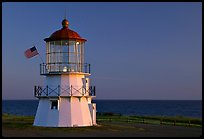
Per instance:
{"type": "Point", "coordinates": [65, 54]}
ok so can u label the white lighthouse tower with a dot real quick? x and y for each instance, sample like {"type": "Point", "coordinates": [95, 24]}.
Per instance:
{"type": "Point", "coordinates": [65, 100]}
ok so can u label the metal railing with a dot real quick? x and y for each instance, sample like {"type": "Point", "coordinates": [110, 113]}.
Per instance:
{"type": "Point", "coordinates": [47, 91]}
{"type": "Point", "coordinates": [63, 68]}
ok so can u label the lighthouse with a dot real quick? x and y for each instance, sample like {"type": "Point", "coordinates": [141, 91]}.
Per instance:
{"type": "Point", "coordinates": [65, 99]}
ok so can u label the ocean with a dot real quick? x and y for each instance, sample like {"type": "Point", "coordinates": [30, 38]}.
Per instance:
{"type": "Point", "coordinates": [187, 108]}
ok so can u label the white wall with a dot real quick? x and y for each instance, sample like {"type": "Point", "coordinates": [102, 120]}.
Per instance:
{"type": "Point", "coordinates": [66, 81]}
{"type": "Point", "coordinates": [72, 111]}
{"type": "Point", "coordinates": [64, 112]}
{"type": "Point", "coordinates": [42, 112]}
{"type": "Point", "coordinates": [45, 116]}
{"type": "Point", "coordinates": [80, 112]}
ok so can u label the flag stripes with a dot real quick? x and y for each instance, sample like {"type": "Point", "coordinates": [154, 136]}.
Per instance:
{"type": "Point", "coordinates": [31, 52]}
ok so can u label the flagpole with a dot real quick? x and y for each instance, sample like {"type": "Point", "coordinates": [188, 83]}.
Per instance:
{"type": "Point", "coordinates": [39, 54]}
{"type": "Point", "coordinates": [40, 57]}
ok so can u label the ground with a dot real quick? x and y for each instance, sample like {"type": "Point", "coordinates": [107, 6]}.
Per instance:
{"type": "Point", "coordinates": [103, 129]}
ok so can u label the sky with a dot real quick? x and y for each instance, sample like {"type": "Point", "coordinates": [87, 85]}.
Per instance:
{"type": "Point", "coordinates": [137, 50]}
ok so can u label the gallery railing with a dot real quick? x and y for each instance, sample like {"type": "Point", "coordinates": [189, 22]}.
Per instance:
{"type": "Point", "coordinates": [63, 68]}
{"type": "Point", "coordinates": [40, 91]}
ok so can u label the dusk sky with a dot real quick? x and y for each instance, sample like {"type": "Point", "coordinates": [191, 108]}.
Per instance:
{"type": "Point", "coordinates": [137, 50]}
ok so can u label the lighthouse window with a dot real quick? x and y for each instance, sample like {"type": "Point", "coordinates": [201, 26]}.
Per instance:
{"type": "Point", "coordinates": [54, 104]}
{"type": "Point", "coordinates": [60, 54]}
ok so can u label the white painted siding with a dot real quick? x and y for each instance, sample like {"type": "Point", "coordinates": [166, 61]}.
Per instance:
{"type": "Point", "coordinates": [42, 113]}
{"type": "Point", "coordinates": [72, 110]}
{"type": "Point", "coordinates": [64, 112]}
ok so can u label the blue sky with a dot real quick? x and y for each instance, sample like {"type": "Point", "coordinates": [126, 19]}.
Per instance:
{"type": "Point", "coordinates": [150, 50]}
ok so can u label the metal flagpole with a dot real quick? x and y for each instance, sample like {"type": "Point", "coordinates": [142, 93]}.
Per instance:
{"type": "Point", "coordinates": [40, 57]}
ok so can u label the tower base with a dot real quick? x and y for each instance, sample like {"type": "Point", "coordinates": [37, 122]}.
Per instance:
{"type": "Point", "coordinates": [65, 112]}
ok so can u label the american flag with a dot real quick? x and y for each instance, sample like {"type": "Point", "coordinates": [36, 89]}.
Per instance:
{"type": "Point", "coordinates": [31, 52]}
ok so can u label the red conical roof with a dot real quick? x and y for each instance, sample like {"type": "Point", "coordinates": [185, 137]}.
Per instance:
{"type": "Point", "coordinates": [64, 34]}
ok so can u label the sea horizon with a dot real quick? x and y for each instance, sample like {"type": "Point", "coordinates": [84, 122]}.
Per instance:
{"type": "Point", "coordinates": [186, 108]}
{"type": "Point", "coordinates": [125, 99]}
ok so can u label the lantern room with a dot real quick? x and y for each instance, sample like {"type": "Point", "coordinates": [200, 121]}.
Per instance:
{"type": "Point", "coordinates": [64, 52]}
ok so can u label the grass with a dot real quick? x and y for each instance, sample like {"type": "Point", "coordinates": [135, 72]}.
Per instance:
{"type": "Point", "coordinates": [109, 125]}
{"type": "Point", "coordinates": [27, 121]}
{"type": "Point", "coordinates": [15, 121]}
{"type": "Point", "coordinates": [165, 120]}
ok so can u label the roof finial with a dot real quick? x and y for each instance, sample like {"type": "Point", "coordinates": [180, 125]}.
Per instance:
{"type": "Point", "coordinates": [65, 23]}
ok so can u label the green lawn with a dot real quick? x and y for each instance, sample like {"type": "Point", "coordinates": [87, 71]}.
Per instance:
{"type": "Point", "coordinates": [27, 121]}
